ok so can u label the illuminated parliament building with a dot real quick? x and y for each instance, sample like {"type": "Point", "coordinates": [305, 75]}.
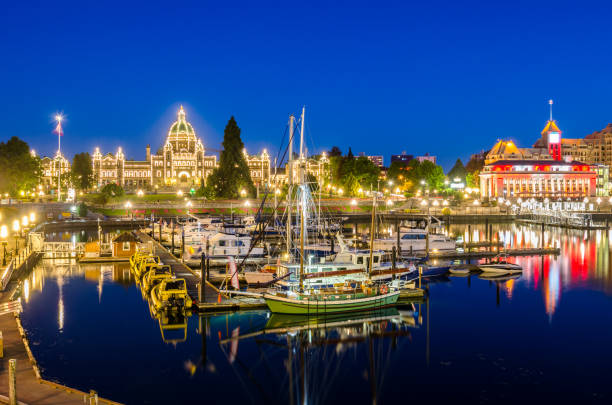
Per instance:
{"type": "Point", "coordinates": [181, 162]}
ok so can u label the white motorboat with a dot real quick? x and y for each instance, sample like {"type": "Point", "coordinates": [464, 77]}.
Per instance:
{"type": "Point", "coordinates": [500, 265]}
{"type": "Point", "coordinates": [218, 246]}
{"type": "Point", "coordinates": [415, 240]}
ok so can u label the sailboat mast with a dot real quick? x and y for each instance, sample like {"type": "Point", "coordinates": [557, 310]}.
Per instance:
{"type": "Point", "coordinates": [372, 235]}
{"type": "Point", "coordinates": [302, 249]}
{"type": "Point", "coordinates": [302, 146]}
{"type": "Point", "coordinates": [290, 177]}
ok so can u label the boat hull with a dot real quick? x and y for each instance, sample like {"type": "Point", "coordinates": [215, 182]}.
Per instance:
{"type": "Point", "coordinates": [283, 305]}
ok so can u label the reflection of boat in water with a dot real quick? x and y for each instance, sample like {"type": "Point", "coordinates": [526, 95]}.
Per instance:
{"type": "Point", "coordinates": [286, 322]}
{"type": "Point", "coordinates": [499, 277]}
{"type": "Point", "coordinates": [172, 324]}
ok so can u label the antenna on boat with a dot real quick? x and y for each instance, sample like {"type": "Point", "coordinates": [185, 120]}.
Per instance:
{"type": "Point", "coordinates": [302, 146]}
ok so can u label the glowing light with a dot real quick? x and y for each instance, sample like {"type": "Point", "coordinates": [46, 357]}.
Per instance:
{"type": "Point", "coordinates": [179, 193]}
{"type": "Point", "coordinates": [59, 118]}
{"type": "Point", "coordinates": [476, 202]}
{"type": "Point", "coordinates": [389, 203]}
{"type": "Point", "coordinates": [25, 221]}
{"type": "Point", "coordinates": [424, 202]}
{"type": "Point", "coordinates": [140, 193]}
{"type": "Point", "coordinates": [340, 191]}
{"type": "Point", "coordinates": [445, 203]}
{"type": "Point", "coordinates": [128, 205]}
{"type": "Point", "coordinates": [16, 225]}
{"type": "Point", "coordinates": [586, 200]}
{"type": "Point", "coordinates": [247, 203]}
{"type": "Point", "coordinates": [32, 217]}
{"type": "Point", "coordinates": [435, 203]}
{"type": "Point", "coordinates": [3, 232]}
{"type": "Point", "coordinates": [242, 192]}
{"type": "Point", "coordinates": [22, 193]}
{"type": "Point", "coordinates": [598, 200]}
{"type": "Point", "coordinates": [353, 202]}
{"type": "Point", "coordinates": [189, 204]}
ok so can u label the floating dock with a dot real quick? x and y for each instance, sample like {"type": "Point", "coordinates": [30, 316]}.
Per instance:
{"type": "Point", "coordinates": [211, 300]}
{"type": "Point", "coordinates": [473, 254]}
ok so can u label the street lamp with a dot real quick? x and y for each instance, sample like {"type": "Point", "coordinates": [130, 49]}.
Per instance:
{"type": "Point", "coordinates": [16, 231]}
{"type": "Point", "coordinates": [340, 191]}
{"type": "Point", "coordinates": [389, 203]}
{"type": "Point", "coordinates": [243, 193]}
{"type": "Point", "coordinates": [128, 206]}
{"type": "Point", "coordinates": [4, 237]}
{"type": "Point", "coordinates": [140, 193]}
{"type": "Point", "coordinates": [179, 193]}
{"type": "Point", "coordinates": [189, 205]}
{"type": "Point", "coordinates": [353, 204]}
{"type": "Point", "coordinates": [598, 202]}
{"type": "Point", "coordinates": [32, 217]}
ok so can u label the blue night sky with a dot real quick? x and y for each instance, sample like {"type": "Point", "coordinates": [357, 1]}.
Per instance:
{"type": "Point", "coordinates": [447, 78]}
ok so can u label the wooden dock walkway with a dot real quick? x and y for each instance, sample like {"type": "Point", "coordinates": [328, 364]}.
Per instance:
{"type": "Point", "coordinates": [474, 254]}
{"type": "Point", "coordinates": [211, 300]}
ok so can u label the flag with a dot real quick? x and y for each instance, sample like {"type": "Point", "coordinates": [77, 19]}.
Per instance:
{"type": "Point", "coordinates": [233, 271]}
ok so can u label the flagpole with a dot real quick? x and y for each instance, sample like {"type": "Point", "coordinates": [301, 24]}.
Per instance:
{"type": "Point", "coordinates": [58, 118]}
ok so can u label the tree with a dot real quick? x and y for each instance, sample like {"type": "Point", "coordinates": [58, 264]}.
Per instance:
{"type": "Point", "coordinates": [473, 179]}
{"type": "Point", "coordinates": [350, 154]}
{"type": "Point", "coordinates": [19, 169]}
{"type": "Point", "coordinates": [458, 171]}
{"type": "Point", "coordinates": [397, 169]}
{"type": "Point", "coordinates": [112, 190]}
{"type": "Point", "coordinates": [81, 172]}
{"type": "Point", "coordinates": [476, 163]}
{"type": "Point", "coordinates": [335, 152]}
{"type": "Point", "coordinates": [233, 173]}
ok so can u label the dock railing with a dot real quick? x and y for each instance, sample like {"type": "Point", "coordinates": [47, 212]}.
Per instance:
{"type": "Point", "coordinates": [6, 275]}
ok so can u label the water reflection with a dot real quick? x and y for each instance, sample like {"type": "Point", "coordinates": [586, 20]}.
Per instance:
{"type": "Point", "coordinates": [318, 349]}
{"type": "Point", "coordinates": [584, 261]}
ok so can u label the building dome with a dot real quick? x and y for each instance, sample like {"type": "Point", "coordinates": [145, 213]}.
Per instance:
{"type": "Point", "coordinates": [181, 128]}
{"type": "Point", "coordinates": [181, 135]}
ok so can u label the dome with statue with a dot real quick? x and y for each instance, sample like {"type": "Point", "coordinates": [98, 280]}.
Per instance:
{"type": "Point", "coordinates": [181, 136]}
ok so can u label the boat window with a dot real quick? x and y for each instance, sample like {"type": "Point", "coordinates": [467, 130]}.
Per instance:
{"type": "Point", "coordinates": [359, 259]}
{"type": "Point", "coordinates": [221, 243]}
{"type": "Point", "coordinates": [376, 258]}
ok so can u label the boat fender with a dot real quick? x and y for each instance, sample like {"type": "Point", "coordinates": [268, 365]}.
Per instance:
{"type": "Point", "coordinates": [384, 289]}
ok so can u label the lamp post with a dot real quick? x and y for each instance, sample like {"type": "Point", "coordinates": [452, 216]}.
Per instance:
{"type": "Point", "coordinates": [3, 237]}
{"type": "Point", "coordinates": [128, 206]}
{"type": "Point", "coordinates": [353, 204]}
{"type": "Point", "coordinates": [16, 231]}
{"type": "Point", "coordinates": [189, 204]}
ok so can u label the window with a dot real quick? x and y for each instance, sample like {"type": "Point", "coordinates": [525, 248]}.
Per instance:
{"type": "Point", "coordinates": [126, 246]}
{"type": "Point", "coordinates": [360, 260]}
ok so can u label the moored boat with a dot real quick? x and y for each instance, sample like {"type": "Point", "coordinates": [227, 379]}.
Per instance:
{"type": "Point", "coordinates": [324, 302]}
{"type": "Point", "coordinates": [171, 294]}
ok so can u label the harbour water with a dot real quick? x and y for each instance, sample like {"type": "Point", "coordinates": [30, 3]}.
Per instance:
{"type": "Point", "coordinates": [541, 337]}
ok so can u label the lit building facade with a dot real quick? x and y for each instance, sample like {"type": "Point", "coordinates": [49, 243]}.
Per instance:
{"type": "Point", "coordinates": [50, 169]}
{"type": "Point", "coordinates": [539, 172]}
{"type": "Point", "coordinates": [181, 162]}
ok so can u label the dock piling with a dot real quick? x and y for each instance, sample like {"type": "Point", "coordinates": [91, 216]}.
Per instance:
{"type": "Point", "coordinates": [93, 397]}
{"type": "Point", "coordinates": [12, 382]}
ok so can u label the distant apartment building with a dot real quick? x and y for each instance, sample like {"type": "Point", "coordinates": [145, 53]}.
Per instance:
{"type": "Point", "coordinates": [425, 157]}
{"type": "Point", "coordinates": [377, 160]}
{"type": "Point", "coordinates": [401, 158]}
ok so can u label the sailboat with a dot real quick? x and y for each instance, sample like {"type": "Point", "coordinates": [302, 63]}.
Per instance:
{"type": "Point", "coordinates": [340, 298]}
